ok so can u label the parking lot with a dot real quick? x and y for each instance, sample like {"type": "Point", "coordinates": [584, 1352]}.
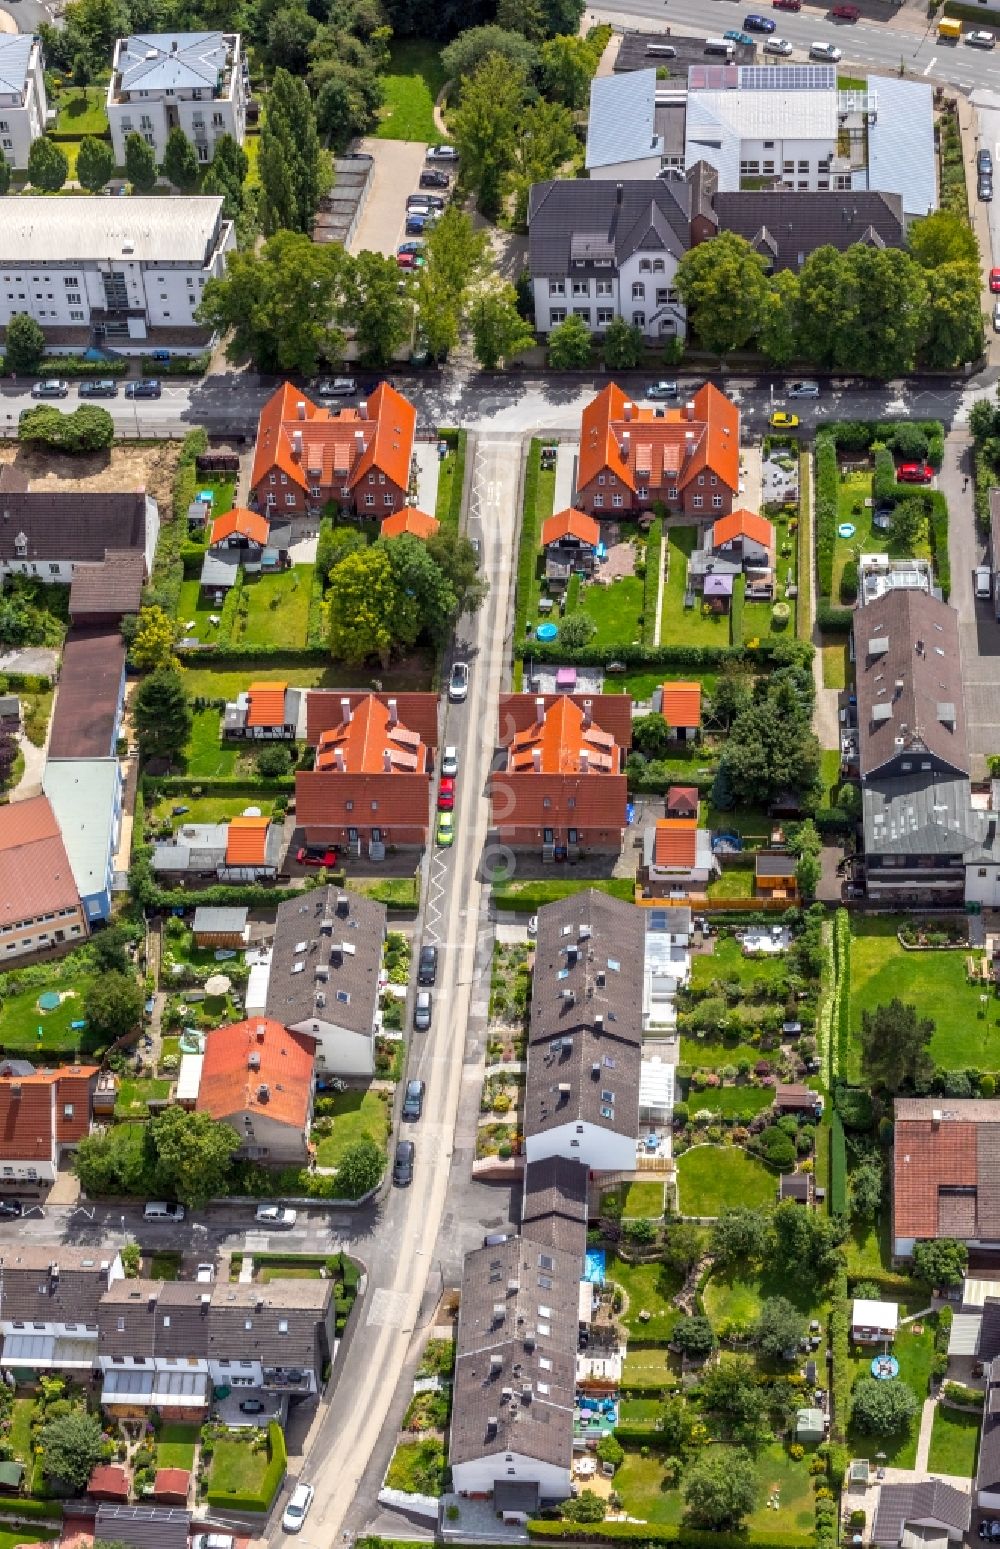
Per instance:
{"type": "Point", "coordinates": [398, 165]}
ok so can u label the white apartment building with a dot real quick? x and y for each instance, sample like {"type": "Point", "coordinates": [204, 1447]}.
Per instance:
{"type": "Point", "coordinates": [195, 81]}
{"type": "Point", "coordinates": [23, 103]}
{"type": "Point", "coordinates": [115, 267]}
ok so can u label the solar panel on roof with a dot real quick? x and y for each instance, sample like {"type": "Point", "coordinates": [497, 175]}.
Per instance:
{"type": "Point", "coordinates": [787, 77]}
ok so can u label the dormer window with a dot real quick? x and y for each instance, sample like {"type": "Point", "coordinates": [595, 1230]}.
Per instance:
{"type": "Point", "coordinates": [21, 544]}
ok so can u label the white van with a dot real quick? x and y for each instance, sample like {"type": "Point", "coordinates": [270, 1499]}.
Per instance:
{"type": "Point", "coordinates": [720, 46]}
{"type": "Point", "coordinates": [983, 587]}
{"type": "Point", "coordinates": [159, 1210]}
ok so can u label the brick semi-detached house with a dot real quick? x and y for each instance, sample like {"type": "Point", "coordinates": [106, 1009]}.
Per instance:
{"type": "Point", "coordinates": [370, 786]}
{"type": "Point", "coordinates": [307, 455]}
{"type": "Point", "coordinates": [561, 789]}
{"type": "Point", "coordinates": [632, 455]}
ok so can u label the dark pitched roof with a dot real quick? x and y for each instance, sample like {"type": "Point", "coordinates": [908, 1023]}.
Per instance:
{"type": "Point", "coordinates": [794, 1186]}
{"type": "Point", "coordinates": [112, 585]}
{"type": "Point", "coordinates": [283, 1323]}
{"type": "Point", "coordinates": [925, 1500]}
{"type": "Point", "coordinates": [988, 1471]}
{"type": "Point", "coordinates": [585, 1039]}
{"type": "Point", "coordinates": [922, 814]}
{"type": "Point", "coordinates": [573, 218]}
{"type": "Point", "coordinates": [774, 863]}
{"type": "Point", "coordinates": [312, 931]}
{"type": "Point", "coordinates": [995, 528]}
{"type": "Point", "coordinates": [143, 1527]}
{"type": "Point", "coordinates": [909, 681]}
{"type": "Point", "coordinates": [785, 226]}
{"type": "Point", "coordinates": [61, 1284]}
{"type": "Point", "coordinates": [554, 1204]}
{"type": "Point", "coordinates": [69, 524]}
{"type": "Point", "coordinates": [164, 1318]}
{"type": "Point", "coordinates": [519, 1307]}
{"type": "Point", "coordinates": [989, 1330]}
{"type": "Point", "coordinates": [90, 685]}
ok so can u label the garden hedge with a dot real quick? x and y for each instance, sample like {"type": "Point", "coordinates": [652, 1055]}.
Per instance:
{"type": "Point", "coordinates": [24, 1506]}
{"type": "Point", "coordinates": [672, 1533]}
{"type": "Point", "coordinates": [78, 365]}
{"type": "Point", "coordinates": [527, 553]}
{"type": "Point", "coordinates": [838, 1166]}
{"type": "Point", "coordinates": [803, 627]}
{"type": "Point", "coordinates": [457, 440]}
{"type": "Point", "coordinates": [697, 658]}
{"type": "Point", "coordinates": [168, 569]}
{"type": "Point", "coordinates": [177, 365]}
{"type": "Point", "coordinates": [651, 581]}
{"type": "Point", "coordinates": [840, 1330]}
{"type": "Point", "coordinates": [218, 785]}
{"type": "Point", "coordinates": [834, 621]}
{"type": "Point", "coordinates": [270, 1482]}
{"type": "Point", "coordinates": [317, 625]}
{"type": "Point", "coordinates": [827, 480]}
{"type": "Point", "coordinates": [247, 653]}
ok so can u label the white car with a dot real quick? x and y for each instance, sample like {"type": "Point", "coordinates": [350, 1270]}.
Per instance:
{"type": "Point", "coordinates": [777, 46]}
{"type": "Point", "coordinates": [449, 762]}
{"type": "Point", "coordinates": [275, 1215]}
{"type": "Point", "coordinates": [458, 683]}
{"type": "Point", "coordinates": [212, 1541]}
{"type": "Point", "coordinates": [980, 39]}
{"type": "Point", "coordinates": [298, 1508]}
{"type": "Point", "coordinates": [802, 389]}
{"type": "Point", "coordinates": [204, 1274]}
{"type": "Point", "coordinates": [442, 153]}
{"type": "Point", "coordinates": [827, 51]}
{"type": "Point", "coordinates": [996, 317]}
{"type": "Point", "coordinates": [337, 387]}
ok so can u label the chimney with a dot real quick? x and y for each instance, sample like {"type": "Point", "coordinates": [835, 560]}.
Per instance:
{"type": "Point", "coordinates": [536, 760]}
{"type": "Point", "coordinates": [300, 410]}
{"type": "Point", "coordinates": [173, 45]}
{"type": "Point", "coordinates": [599, 1024]}
{"type": "Point", "coordinates": [588, 708]}
{"type": "Point", "coordinates": [345, 711]}
{"type": "Point", "coordinates": [393, 713]}
{"type": "Point", "coordinates": [363, 410]}
{"type": "Point", "coordinates": [689, 408]}
{"type": "Point", "coordinates": [936, 1118]}
{"type": "Point", "coordinates": [619, 190]}
{"type": "Point", "coordinates": [296, 443]}
{"type": "Point", "coordinates": [584, 761]}
{"type": "Point", "coordinates": [627, 411]}
{"type": "Point", "coordinates": [625, 442]}
{"type": "Point", "coordinates": [539, 709]}
{"type": "Point", "coordinates": [338, 761]}
{"type": "Point", "coordinates": [387, 761]}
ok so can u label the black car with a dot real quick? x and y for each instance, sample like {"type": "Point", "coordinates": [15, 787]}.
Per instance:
{"type": "Point", "coordinates": [252, 1406]}
{"type": "Point", "coordinates": [10, 1209]}
{"type": "Point", "coordinates": [427, 968]}
{"type": "Point", "coordinates": [150, 389]}
{"type": "Point", "coordinates": [402, 1167]}
{"type": "Point", "coordinates": [985, 189]}
{"type": "Point", "coordinates": [413, 1102]}
{"type": "Point", "coordinates": [103, 388]}
{"type": "Point", "coordinates": [429, 178]}
{"type": "Point", "coordinates": [423, 1011]}
{"type": "Point", "coordinates": [984, 163]}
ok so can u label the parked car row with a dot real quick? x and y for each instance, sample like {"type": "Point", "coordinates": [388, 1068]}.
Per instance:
{"type": "Point", "coordinates": [96, 387]}
{"type": "Point", "coordinates": [423, 208]}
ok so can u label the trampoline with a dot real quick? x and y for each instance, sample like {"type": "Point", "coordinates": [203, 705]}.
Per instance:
{"type": "Point", "coordinates": [846, 530]}
{"type": "Point", "coordinates": [547, 631]}
{"type": "Point", "coordinates": [884, 1366]}
{"type": "Point", "coordinates": [727, 841]}
{"type": "Point", "coordinates": [49, 1001]}
{"type": "Point", "coordinates": [594, 1266]}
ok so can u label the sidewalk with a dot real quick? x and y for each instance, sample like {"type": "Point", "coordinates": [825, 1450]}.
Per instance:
{"type": "Point", "coordinates": [968, 123]}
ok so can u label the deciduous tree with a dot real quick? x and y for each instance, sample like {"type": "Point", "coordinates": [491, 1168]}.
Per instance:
{"type": "Point", "coordinates": [140, 164]}
{"type": "Point", "coordinates": [882, 1408]}
{"type": "Point", "coordinates": [567, 64]}
{"type": "Point", "coordinates": [622, 345]}
{"type": "Point", "coordinates": [113, 1005]}
{"type": "Point", "coordinates": [694, 1337]}
{"type": "Point", "coordinates": [954, 321]}
{"type": "Point", "coordinates": [740, 1236]}
{"type": "Point", "coordinates": [5, 174]}
{"type": "Point", "coordinates": [294, 171]}
{"type": "Point", "coordinates": [25, 344]}
{"type": "Point", "coordinates": [895, 1043]}
{"type": "Point", "coordinates": [95, 164]}
{"type": "Point", "coordinates": [71, 1443]}
{"type": "Point", "coordinates": [194, 1154]}
{"type": "Point", "coordinates": [778, 337]}
{"type": "Point", "coordinates": [865, 1187]}
{"type": "Point", "coordinates": [570, 345]}
{"type": "Point", "coordinates": [484, 127]}
{"type": "Point", "coordinates": [48, 166]}
{"type": "Point", "coordinates": [180, 161]}
{"type": "Point", "coordinates": [154, 640]}
{"type": "Point", "coordinates": [890, 318]}
{"type": "Point", "coordinates": [367, 615]}
{"type": "Point", "coordinates": [281, 304]}
{"type": "Point", "coordinates": [720, 1489]}
{"type": "Point", "coordinates": [464, 54]}
{"type": "Point", "coordinates": [942, 238]}
{"type": "Point", "coordinates": [723, 285]}
{"type": "Point", "coordinates": [545, 141]}
{"type": "Point", "coordinates": [940, 1261]}
{"type": "Point", "coordinates": [374, 308]}
{"type": "Point", "coordinates": [360, 1168]}
{"type": "Point", "coordinates": [498, 330]}
{"type": "Point", "coordinates": [458, 562]}
{"type": "Point", "coordinates": [828, 304]}
{"type": "Point", "coordinates": [778, 1327]}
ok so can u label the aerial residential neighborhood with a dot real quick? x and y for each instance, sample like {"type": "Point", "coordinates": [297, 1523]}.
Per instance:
{"type": "Point", "coordinates": [499, 775]}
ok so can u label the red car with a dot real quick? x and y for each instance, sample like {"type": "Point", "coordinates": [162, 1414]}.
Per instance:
{"type": "Point", "coordinates": [446, 795]}
{"type": "Point", "coordinates": [787, 5]}
{"type": "Point", "coordinates": [310, 857]}
{"type": "Point", "coordinates": [845, 13]}
{"type": "Point", "coordinates": [914, 473]}
{"type": "Point", "coordinates": [995, 281]}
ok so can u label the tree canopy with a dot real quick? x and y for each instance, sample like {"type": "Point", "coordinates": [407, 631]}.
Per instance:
{"type": "Point", "coordinates": [778, 1327]}
{"type": "Point", "coordinates": [940, 1261]}
{"type": "Point", "coordinates": [694, 1337]}
{"type": "Point", "coordinates": [193, 1154]}
{"type": "Point", "coordinates": [71, 1445]}
{"type": "Point", "coordinates": [113, 1002]}
{"type": "Point", "coordinates": [895, 1046]}
{"type": "Point", "coordinates": [882, 1408]}
{"type": "Point", "coordinates": [720, 1489]}
{"type": "Point", "coordinates": [161, 713]}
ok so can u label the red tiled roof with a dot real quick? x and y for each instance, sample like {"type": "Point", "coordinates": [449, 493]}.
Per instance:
{"type": "Point", "coordinates": [34, 1119]}
{"type": "Point", "coordinates": [523, 799]}
{"type": "Point", "coordinates": [683, 798]}
{"type": "Point", "coordinates": [389, 450]}
{"type": "Point", "coordinates": [109, 1479]}
{"type": "Point", "coordinates": [371, 742]}
{"type": "Point", "coordinates": [559, 769]}
{"type": "Point", "coordinates": [321, 798]}
{"type": "Point", "coordinates": [246, 842]}
{"type": "Point", "coordinates": [325, 711]}
{"type": "Point", "coordinates": [566, 740]}
{"type": "Point", "coordinates": [340, 445]}
{"type": "Point", "coordinates": [172, 1481]}
{"type": "Point", "coordinates": [571, 524]}
{"type": "Point", "coordinates": [35, 874]}
{"type": "Point", "coordinates": [611, 712]}
{"type": "Point", "coordinates": [409, 520]}
{"type": "Point", "coordinates": [743, 524]}
{"type": "Point", "coordinates": [267, 704]}
{"type": "Point", "coordinates": [682, 704]}
{"type": "Point", "coordinates": [925, 1157]}
{"type": "Point", "coordinates": [676, 842]}
{"type": "Point", "coordinates": [641, 444]}
{"type": "Point", "coordinates": [246, 1057]}
{"type": "Point", "coordinates": [248, 524]}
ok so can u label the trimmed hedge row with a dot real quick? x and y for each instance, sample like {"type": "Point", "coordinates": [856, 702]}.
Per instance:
{"type": "Point", "coordinates": [527, 554]}
{"type": "Point", "coordinates": [803, 627]}
{"type": "Point", "coordinates": [316, 627]}
{"type": "Point", "coordinates": [736, 608]}
{"type": "Point", "coordinates": [249, 652]}
{"type": "Point", "coordinates": [220, 785]}
{"type": "Point", "coordinates": [651, 581]}
{"type": "Point", "coordinates": [78, 366]}
{"type": "Point", "coordinates": [457, 441]}
{"type": "Point", "coordinates": [840, 1345]}
{"type": "Point", "coordinates": [834, 621]}
{"type": "Point", "coordinates": [838, 1166]}
{"type": "Point", "coordinates": [177, 365]}
{"type": "Point", "coordinates": [834, 820]}
{"type": "Point", "coordinates": [25, 1506]}
{"type": "Point", "coordinates": [827, 479]}
{"type": "Point", "coordinates": [698, 658]}
{"type": "Point", "coordinates": [672, 1533]}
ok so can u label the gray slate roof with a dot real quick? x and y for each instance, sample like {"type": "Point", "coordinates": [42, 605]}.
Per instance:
{"type": "Point", "coordinates": [995, 528]}
{"type": "Point", "coordinates": [909, 671]}
{"type": "Point", "coordinates": [622, 122]}
{"type": "Point", "coordinates": [554, 1204]}
{"type": "Point", "coordinates": [219, 920]}
{"type": "Point", "coordinates": [162, 1318]}
{"type": "Point", "coordinates": [577, 217]}
{"type": "Point", "coordinates": [143, 1527]}
{"type": "Point", "coordinates": [320, 922]}
{"type": "Point", "coordinates": [929, 1500]}
{"type": "Point", "coordinates": [111, 585]}
{"type": "Point", "coordinates": [62, 1284]}
{"type": "Point", "coordinates": [173, 61]}
{"type": "Point", "coordinates": [244, 1323]}
{"type": "Point", "coordinates": [921, 814]}
{"type": "Point", "coordinates": [785, 226]}
{"type": "Point", "coordinates": [520, 1305]}
{"type": "Point", "coordinates": [68, 524]}
{"type": "Point", "coordinates": [989, 1331]}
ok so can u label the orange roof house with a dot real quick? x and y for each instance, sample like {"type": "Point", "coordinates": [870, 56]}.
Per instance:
{"type": "Point", "coordinates": [945, 1170]}
{"type": "Point", "coordinates": [109, 1482]}
{"type": "Point", "coordinates": [675, 844]}
{"type": "Point", "coordinates": [682, 801]}
{"type": "Point", "coordinates": [240, 523]}
{"type": "Point", "coordinates": [563, 790]}
{"type": "Point", "coordinates": [246, 844]}
{"type": "Point", "coordinates": [633, 454]}
{"type": "Point", "coordinates": [258, 1078]}
{"type": "Point", "coordinates": [409, 520]}
{"type": "Point", "coordinates": [680, 705]}
{"type": "Point", "coordinates": [573, 524]}
{"type": "Point", "coordinates": [172, 1485]}
{"type": "Point", "coordinates": [266, 704]}
{"type": "Point", "coordinates": [740, 528]}
{"type": "Point", "coordinates": [36, 880]}
{"type": "Point", "coordinates": [371, 779]}
{"type": "Point", "coordinates": [42, 1116]}
{"type": "Point", "coordinates": [359, 457]}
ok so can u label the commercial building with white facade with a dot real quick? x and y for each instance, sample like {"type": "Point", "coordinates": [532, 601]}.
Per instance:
{"type": "Point", "coordinates": [112, 271]}
{"type": "Point", "coordinates": [23, 103]}
{"type": "Point", "coordinates": [195, 81]}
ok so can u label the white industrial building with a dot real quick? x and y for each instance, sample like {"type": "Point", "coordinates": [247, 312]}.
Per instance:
{"type": "Point", "coordinates": [195, 81]}
{"type": "Point", "coordinates": [23, 103]}
{"type": "Point", "coordinates": [113, 270]}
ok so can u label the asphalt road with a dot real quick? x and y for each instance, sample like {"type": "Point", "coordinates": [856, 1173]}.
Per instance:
{"type": "Point", "coordinates": [871, 42]}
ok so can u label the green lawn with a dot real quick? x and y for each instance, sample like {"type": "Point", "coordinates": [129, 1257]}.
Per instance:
{"type": "Point", "coordinates": [415, 77]}
{"type": "Point", "coordinates": [195, 614]}
{"type": "Point", "coordinates": [731, 1099]}
{"type": "Point", "coordinates": [82, 112]}
{"type": "Point", "coordinates": [651, 1368]}
{"type": "Point", "coordinates": [712, 1054]}
{"type": "Point", "coordinates": [649, 1288]}
{"type": "Point", "coordinates": [446, 479]}
{"type": "Point", "coordinates": [639, 1411]}
{"type": "Point", "coordinates": [226, 681]}
{"type": "Point", "coordinates": [133, 1095]}
{"type": "Point", "coordinates": [639, 1481]}
{"type": "Point", "coordinates": [954, 1442]}
{"type": "Point", "coordinates": [236, 1469]}
{"type": "Point", "coordinates": [758, 623]}
{"type": "Point", "coordinates": [680, 625]}
{"type": "Point", "coordinates": [737, 882]}
{"type": "Point", "coordinates": [711, 1177]}
{"type": "Point", "coordinates": [751, 823]}
{"type": "Point", "coordinates": [854, 491]}
{"type": "Point", "coordinates": [223, 491]}
{"type": "Point", "coordinates": [935, 982]}
{"type": "Point", "coordinates": [727, 961]}
{"type": "Point", "coordinates": [19, 1437]}
{"type": "Point", "coordinates": [531, 532]}
{"type": "Point", "coordinates": [733, 1298]}
{"type": "Point", "coordinates": [640, 684]}
{"type": "Point", "coordinates": [175, 1445]}
{"type": "Point", "coordinates": [529, 897]}
{"type": "Point", "coordinates": [165, 1265]}
{"type": "Point", "coordinates": [417, 1467]}
{"type": "Point", "coordinates": [829, 773]}
{"type": "Point", "coordinates": [206, 755]}
{"type": "Point", "coordinates": [279, 609]}
{"type": "Point", "coordinates": [614, 610]}
{"type": "Point", "coordinates": [836, 662]}
{"type": "Point", "coordinates": [208, 809]}
{"type": "Point", "coordinates": [10, 1538]}
{"type": "Point", "coordinates": [356, 1114]}
{"type": "Point", "coordinates": [21, 1020]}
{"type": "Point", "coordinates": [914, 1353]}
{"type": "Point", "coordinates": [643, 1199]}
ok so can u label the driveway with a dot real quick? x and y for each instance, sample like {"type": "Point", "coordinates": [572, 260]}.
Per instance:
{"type": "Point", "coordinates": [978, 631]}
{"type": "Point", "coordinates": [395, 175]}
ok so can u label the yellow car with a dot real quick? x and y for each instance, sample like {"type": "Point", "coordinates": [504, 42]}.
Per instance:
{"type": "Point", "coordinates": [782, 421]}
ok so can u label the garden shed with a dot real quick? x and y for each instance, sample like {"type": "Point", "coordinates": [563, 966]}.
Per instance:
{"type": "Point", "coordinates": [810, 1425]}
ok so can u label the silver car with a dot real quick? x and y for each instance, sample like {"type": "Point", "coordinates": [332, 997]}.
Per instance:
{"type": "Point", "coordinates": [458, 683]}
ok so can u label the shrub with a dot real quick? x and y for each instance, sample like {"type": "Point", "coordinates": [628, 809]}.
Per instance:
{"type": "Point", "coordinates": [849, 583]}
{"type": "Point", "coordinates": [826, 509]}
